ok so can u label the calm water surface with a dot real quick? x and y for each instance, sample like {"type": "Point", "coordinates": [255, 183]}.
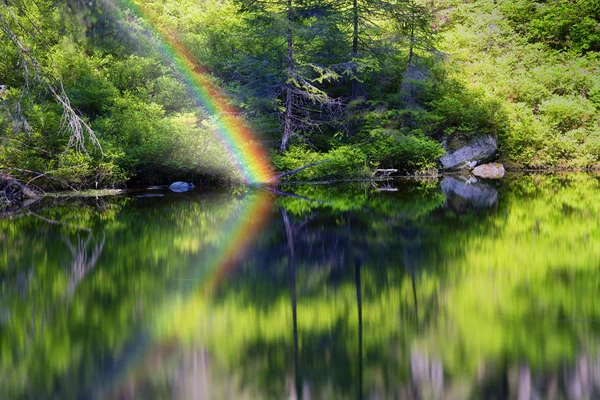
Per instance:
{"type": "Point", "coordinates": [437, 289]}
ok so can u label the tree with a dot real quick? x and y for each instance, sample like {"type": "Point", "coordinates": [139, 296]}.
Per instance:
{"type": "Point", "coordinates": [298, 90]}
{"type": "Point", "coordinates": [413, 22]}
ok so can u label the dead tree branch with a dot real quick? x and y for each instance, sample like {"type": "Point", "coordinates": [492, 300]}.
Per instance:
{"type": "Point", "coordinates": [72, 122]}
{"type": "Point", "coordinates": [295, 171]}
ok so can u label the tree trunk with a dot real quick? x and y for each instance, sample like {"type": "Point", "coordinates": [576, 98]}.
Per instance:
{"type": "Point", "coordinates": [412, 35]}
{"type": "Point", "coordinates": [355, 88]}
{"type": "Point", "coordinates": [288, 128]}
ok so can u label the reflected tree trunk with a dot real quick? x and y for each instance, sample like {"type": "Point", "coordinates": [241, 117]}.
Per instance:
{"type": "Point", "coordinates": [360, 326]}
{"type": "Point", "coordinates": [292, 270]}
{"type": "Point", "coordinates": [409, 264]}
{"type": "Point", "coordinates": [524, 390]}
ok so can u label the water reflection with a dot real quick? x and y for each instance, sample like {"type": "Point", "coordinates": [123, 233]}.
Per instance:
{"type": "Point", "coordinates": [445, 289]}
{"type": "Point", "coordinates": [84, 258]}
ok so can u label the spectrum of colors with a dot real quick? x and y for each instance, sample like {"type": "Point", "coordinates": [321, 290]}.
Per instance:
{"type": "Point", "coordinates": [239, 232]}
{"type": "Point", "coordinates": [251, 160]}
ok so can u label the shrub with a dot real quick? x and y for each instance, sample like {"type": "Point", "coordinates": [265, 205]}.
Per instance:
{"type": "Point", "coordinates": [170, 93]}
{"type": "Point", "coordinates": [342, 162]}
{"type": "Point", "coordinates": [468, 112]}
{"type": "Point", "coordinates": [88, 89]}
{"type": "Point", "coordinates": [566, 113]}
{"type": "Point", "coordinates": [392, 149]}
{"type": "Point", "coordinates": [135, 72]}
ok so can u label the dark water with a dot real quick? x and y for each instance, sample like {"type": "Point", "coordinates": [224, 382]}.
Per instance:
{"type": "Point", "coordinates": [420, 290]}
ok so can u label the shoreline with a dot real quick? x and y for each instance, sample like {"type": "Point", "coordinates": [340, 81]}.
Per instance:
{"type": "Point", "coordinates": [510, 174]}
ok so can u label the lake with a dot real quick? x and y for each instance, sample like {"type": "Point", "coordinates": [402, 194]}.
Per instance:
{"type": "Point", "coordinates": [399, 289]}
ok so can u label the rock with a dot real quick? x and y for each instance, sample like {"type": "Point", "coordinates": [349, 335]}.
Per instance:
{"type": "Point", "coordinates": [470, 152]}
{"type": "Point", "coordinates": [489, 171]}
{"type": "Point", "coordinates": [143, 196]}
{"type": "Point", "coordinates": [180, 187]}
{"type": "Point", "coordinates": [469, 193]}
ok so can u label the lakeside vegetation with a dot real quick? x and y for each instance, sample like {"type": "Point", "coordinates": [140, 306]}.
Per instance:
{"type": "Point", "coordinates": [366, 84]}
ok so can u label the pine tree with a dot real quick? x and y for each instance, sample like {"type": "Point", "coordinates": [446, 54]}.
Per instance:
{"type": "Point", "coordinates": [300, 95]}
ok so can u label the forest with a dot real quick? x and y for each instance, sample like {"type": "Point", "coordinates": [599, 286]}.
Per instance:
{"type": "Point", "coordinates": [91, 95]}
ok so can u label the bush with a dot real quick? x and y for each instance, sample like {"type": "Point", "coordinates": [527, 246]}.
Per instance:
{"type": "Point", "coordinates": [468, 112]}
{"type": "Point", "coordinates": [135, 72]}
{"type": "Point", "coordinates": [392, 149]}
{"type": "Point", "coordinates": [342, 162]}
{"type": "Point", "coordinates": [89, 91]}
{"type": "Point", "coordinates": [171, 94]}
{"type": "Point", "coordinates": [566, 113]}
{"type": "Point", "coordinates": [525, 139]}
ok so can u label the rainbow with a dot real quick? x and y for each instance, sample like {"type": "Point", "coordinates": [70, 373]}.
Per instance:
{"type": "Point", "coordinates": [245, 224]}
{"type": "Point", "coordinates": [249, 157]}
{"type": "Point", "coordinates": [206, 274]}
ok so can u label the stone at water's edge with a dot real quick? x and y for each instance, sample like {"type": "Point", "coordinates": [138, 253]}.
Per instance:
{"type": "Point", "coordinates": [180, 187]}
{"type": "Point", "coordinates": [475, 150]}
{"type": "Point", "coordinates": [489, 171]}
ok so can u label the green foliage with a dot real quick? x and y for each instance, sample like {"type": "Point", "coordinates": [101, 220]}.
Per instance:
{"type": "Point", "coordinates": [467, 112]}
{"type": "Point", "coordinates": [142, 113]}
{"type": "Point", "coordinates": [415, 75]}
{"type": "Point", "coordinates": [341, 162]}
{"type": "Point", "coordinates": [136, 72]}
{"type": "Point", "coordinates": [567, 113]}
{"type": "Point", "coordinates": [392, 149]}
{"type": "Point", "coordinates": [569, 25]}
{"type": "Point", "coordinates": [546, 111]}
{"type": "Point", "coordinates": [84, 79]}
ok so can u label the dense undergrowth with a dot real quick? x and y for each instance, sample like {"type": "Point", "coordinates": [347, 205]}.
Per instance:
{"type": "Point", "coordinates": [148, 125]}
{"type": "Point", "coordinates": [540, 62]}
{"type": "Point", "coordinates": [524, 71]}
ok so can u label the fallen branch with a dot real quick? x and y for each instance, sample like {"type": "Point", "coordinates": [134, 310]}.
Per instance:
{"type": "Point", "coordinates": [384, 172]}
{"type": "Point", "coordinates": [46, 174]}
{"type": "Point", "coordinates": [385, 188]}
{"type": "Point", "coordinates": [14, 190]}
{"type": "Point", "coordinates": [295, 171]}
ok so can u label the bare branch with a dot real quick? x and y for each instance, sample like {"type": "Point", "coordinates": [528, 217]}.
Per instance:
{"type": "Point", "coordinates": [72, 122]}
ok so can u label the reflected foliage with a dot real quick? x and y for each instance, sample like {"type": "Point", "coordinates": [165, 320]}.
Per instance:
{"type": "Point", "coordinates": [347, 292]}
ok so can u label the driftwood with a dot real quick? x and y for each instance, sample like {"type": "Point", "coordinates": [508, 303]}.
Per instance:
{"type": "Point", "coordinates": [384, 172]}
{"type": "Point", "coordinates": [14, 190]}
{"type": "Point", "coordinates": [15, 195]}
{"type": "Point", "coordinates": [295, 171]}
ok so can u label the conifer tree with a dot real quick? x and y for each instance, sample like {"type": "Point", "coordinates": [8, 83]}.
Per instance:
{"type": "Point", "coordinates": [300, 95]}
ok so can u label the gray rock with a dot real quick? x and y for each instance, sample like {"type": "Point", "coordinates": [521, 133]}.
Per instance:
{"type": "Point", "coordinates": [476, 150]}
{"type": "Point", "coordinates": [469, 193]}
{"type": "Point", "coordinates": [489, 171]}
{"type": "Point", "coordinates": [143, 196]}
{"type": "Point", "coordinates": [180, 187]}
